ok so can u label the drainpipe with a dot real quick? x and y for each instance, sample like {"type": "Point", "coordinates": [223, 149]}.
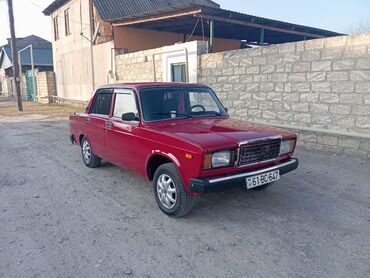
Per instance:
{"type": "Point", "coordinates": [262, 36]}
{"type": "Point", "coordinates": [211, 35]}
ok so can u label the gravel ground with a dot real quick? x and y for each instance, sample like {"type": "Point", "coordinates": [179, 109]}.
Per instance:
{"type": "Point", "coordinates": [59, 218]}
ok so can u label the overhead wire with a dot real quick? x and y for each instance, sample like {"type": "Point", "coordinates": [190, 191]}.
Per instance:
{"type": "Point", "coordinates": [71, 20]}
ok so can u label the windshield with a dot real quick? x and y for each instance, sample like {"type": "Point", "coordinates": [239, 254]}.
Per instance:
{"type": "Point", "coordinates": [159, 104]}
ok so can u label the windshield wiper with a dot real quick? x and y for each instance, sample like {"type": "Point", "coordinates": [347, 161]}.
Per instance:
{"type": "Point", "coordinates": [211, 113]}
{"type": "Point", "coordinates": [177, 114]}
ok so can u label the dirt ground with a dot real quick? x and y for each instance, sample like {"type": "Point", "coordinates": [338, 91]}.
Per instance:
{"type": "Point", "coordinates": [59, 218]}
{"type": "Point", "coordinates": [33, 111]}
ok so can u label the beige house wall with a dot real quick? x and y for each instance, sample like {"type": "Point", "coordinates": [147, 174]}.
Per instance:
{"type": "Point", "coordinates": [4, 91]}
{"type": "Point", "coordinates": [73, 53]}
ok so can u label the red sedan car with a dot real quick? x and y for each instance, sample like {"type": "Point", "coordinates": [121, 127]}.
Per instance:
{"type": "Point", "coordinates": [180, 137]}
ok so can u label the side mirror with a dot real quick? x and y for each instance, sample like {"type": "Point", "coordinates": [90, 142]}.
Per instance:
{"type": "Point", "coordinates": [129, 117]}
{"type": "Point", "coordinates": [227, 110]}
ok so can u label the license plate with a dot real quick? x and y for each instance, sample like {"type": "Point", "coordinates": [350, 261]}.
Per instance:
{"type": "Point", "coordinates": [262, 179]}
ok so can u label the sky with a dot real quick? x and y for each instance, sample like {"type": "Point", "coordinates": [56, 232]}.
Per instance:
{"type": "Point", "coordinates": [335, 15]}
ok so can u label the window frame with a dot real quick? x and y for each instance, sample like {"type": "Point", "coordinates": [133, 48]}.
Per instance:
{"type": "Point", "coordinates": [56, 28]}
{"type": "Point", "coordinates": [67, 26]}
{"type": "Point", "coordinates": [183, 67]}
{"type": "Point", "coordinates": [132, 93]}
{"type": "Point", "coordinates": [214, 96]}
{"type": "Point", "coordinates": [97, 93]}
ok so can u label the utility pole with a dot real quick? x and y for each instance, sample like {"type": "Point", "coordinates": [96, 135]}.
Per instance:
{"type": "Point", "coordinates": [15, 56]}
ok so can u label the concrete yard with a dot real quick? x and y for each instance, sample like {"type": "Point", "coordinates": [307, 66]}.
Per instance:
{"type": "Point", "coordinates": [59, 218]}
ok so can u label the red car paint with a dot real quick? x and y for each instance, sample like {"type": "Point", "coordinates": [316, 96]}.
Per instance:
{"type": "Point", "coordinates": [131, 145]}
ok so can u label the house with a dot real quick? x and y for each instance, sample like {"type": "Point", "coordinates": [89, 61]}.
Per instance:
{"type": "Point", "coordinates": [42, 60]}
{"type": "Point", "coordinates": [90, 34]}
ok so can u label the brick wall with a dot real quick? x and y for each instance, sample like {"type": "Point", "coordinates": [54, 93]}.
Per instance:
{"type": "Point", "coordinates": [320, 88]}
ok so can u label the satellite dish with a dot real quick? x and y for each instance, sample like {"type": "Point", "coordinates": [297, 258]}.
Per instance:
{"type": "Point", "coordinates": [96, 33]}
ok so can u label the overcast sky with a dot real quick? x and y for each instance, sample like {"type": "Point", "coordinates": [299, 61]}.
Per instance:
{"type": "Point", "coordinates": [335, 15]}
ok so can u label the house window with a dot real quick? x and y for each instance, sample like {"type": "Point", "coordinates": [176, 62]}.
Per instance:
{"type": "Point", "coordinates": [66, 22]}
{"type": "Point", "coordinates": [178, 72]}
{"type": "Point", "coordinates": [56, 28]}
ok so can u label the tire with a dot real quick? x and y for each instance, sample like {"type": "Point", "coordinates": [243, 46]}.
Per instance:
{"type": "Point", "coordinates": [262, 187]}
{"type": "Point", "coordinates": [170, 193]}
{"type": "Point", "coordinates": [88, 157]}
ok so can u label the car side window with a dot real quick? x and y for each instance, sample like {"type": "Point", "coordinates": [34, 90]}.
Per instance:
{"type": "Point", "coordinates": [125, 103]}
{"type": "Point", "coordinates": [102, 102]}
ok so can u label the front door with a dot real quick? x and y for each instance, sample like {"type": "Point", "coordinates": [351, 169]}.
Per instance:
{"type": "Point", "coordinates": [121, 135]}
{"type": "Point", "coordinates": [97, 120]}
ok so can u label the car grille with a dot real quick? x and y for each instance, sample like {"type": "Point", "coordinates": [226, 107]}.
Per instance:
{"type": "Point", "coordinates": [258, 152]}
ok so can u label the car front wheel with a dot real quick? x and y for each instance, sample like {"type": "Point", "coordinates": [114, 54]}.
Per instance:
{"type": "Point", "coordinates": [88, 157]}
{"type": "Point", "coordinates": [170, 193]}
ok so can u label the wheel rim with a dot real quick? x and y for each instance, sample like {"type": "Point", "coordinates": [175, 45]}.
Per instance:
{"type": "Point", "coordinates": [86, 152]}
{"type": "Point", "coordinates": [166, 191]}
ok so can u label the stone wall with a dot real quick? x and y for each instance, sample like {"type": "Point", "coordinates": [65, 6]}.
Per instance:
{"type": "Point", "coordinates": [45, 86]}
{"type": "Point", "coordinates": [320, 88]}
{"type": "Point", "coordinates": [138, 66]}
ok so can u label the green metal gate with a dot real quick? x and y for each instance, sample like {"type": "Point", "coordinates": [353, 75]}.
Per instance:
{"type": "Point", "coordinates": [29, 83]}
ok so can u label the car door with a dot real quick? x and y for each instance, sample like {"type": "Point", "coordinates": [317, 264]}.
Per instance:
{"type": "Point", "coordinates": [121, 134]}
{"type": "Point", "coordinates": [96, 121]}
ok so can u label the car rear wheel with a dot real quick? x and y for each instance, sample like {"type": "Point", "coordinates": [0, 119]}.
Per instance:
{"type": "Point", "coordinates": [88, 157]}
{"type": "Point", "coordinates": [170, 193]}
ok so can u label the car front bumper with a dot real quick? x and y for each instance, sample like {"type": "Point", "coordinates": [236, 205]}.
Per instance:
{"type": "Point", "coordinates": [222, 183]}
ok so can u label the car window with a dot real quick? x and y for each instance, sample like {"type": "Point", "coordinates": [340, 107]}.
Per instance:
{"type": "Point", "coordinates": [159, 104]}
{"type": "Point", "coordinates": [125, 103]}
{"type": "Point", "coordinates": [102, 102]}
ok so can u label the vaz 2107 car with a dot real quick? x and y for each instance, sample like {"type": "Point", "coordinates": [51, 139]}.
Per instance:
{"type": "Point", "coordinates": [180, 137]}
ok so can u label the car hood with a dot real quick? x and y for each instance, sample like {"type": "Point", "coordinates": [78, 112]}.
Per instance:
{"type": "Point", "coordinates": [216, 133]}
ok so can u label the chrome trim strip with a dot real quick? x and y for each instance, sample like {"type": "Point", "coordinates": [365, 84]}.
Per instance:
{"type": "Point", "coordinates": [253, 173]}
{"type": "Point", "coordinates": [260, 139]}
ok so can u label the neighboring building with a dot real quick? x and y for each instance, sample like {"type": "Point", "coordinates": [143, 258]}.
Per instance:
{"type": "Point", "coordinates": [43, 61]}
{"type": "Point", "coordinates": [88, 34]}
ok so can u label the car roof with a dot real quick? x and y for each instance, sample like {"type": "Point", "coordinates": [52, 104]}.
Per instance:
{"type": "Point", "coordinates": [138, 86]}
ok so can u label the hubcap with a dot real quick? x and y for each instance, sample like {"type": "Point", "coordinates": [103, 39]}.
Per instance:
{"type": "Point", "coordinates": [86, 152]}
{"type": "Point", "coordinates": [166, 191]}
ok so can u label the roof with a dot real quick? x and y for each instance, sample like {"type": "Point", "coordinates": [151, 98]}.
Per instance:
{"type": "Point", "coordinates": [42, 51]}
{"type": "Point", "coordinates": [182, 16]}
{"type": "Point", "coordinates": [228, 25]}
{"type": "Point", "coordinates": [36, 41]}
{"type": "Point", "coordinates": [111, 10]}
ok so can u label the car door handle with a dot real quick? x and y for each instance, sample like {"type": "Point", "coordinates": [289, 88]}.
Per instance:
{"type": "Point", "coordinates": [87, 120]}
{"type": "Point", "coordinates": [108, 124]}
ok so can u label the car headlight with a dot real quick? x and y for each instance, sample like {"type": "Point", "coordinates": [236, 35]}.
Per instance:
{"type": "Point", "coordinates": [286, 146]}
{"type": "Point", "coordinates": [220, 159]}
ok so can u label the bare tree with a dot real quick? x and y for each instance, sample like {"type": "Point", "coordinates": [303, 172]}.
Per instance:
{"type": "Point", "coordinates": [362, 27]}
